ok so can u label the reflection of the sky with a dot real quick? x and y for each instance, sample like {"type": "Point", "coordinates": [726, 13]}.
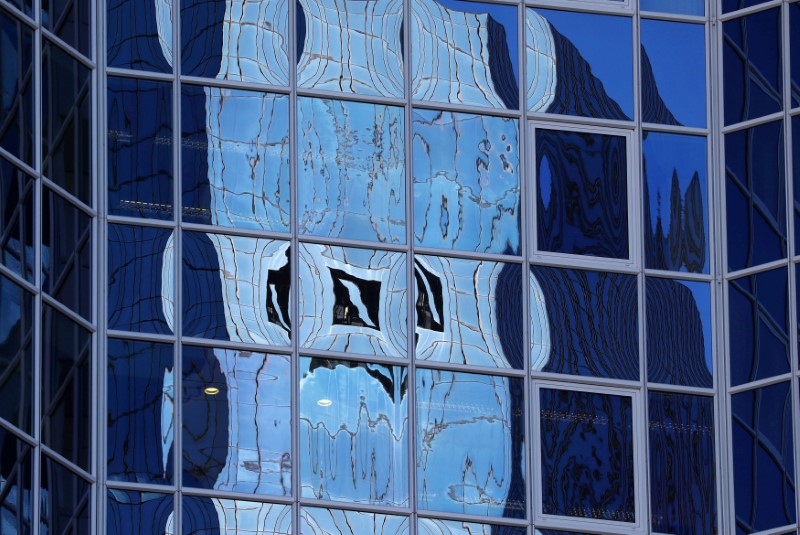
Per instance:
{"type": "Point", "coordinates": [318, 521]}
{"type": "Point", "coordinates": [430, 526]}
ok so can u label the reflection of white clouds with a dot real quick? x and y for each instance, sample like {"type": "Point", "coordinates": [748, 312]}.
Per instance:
{"type": "Point", "coordinates": [540, 54]}
{"type": "Point", "coordinates": [540, 327]}
{"type": "Point", "coordinates": [318, 521]}
{"type": "Point", "coordinates": [430, 526]}
{"type": "Point", "coordinates": [164, 26]}
{"type": "Point", "coordinates": [235, 517]}
{"type": "Point", "coordinates": [167, 416]}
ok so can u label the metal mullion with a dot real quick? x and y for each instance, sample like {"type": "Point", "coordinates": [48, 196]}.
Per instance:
{"type": "Point", "coordinates": [681, 389]}
{"type": "Point", "coordinates": [470, 368]}
{"type": "Point", "coordinates": [469, 255]}
{"type": "Point", "coordinates": [586, 263]}
{"type": "Point", "coordinates": [65, 47]}
{"type": "Point", "coordinates": [36, 454]}
{"type": "Point", "coordinates": [725, 17]}
{"type": "Point", "coordinates": [136, 486]}
{"type": "Point", "coordinates": [66, 463]}
{"type": "Point", "coordinates": [756, 270]}
{"type": "Point", "coordinates": [585, 6]}
{"type": "Point", "coordinates": [554, 121]}
{"type": "Point", "coordinates": [235, 345]}
{"type": "Point", "coordinates": [463, 108]}
{"type": "Point", "coordinates": [140, 222]}
{"type": "Point", "coordinates": [481, 519]}
{"type": "Point", "coordinates": [235, 231]}
{"type": "Point", "coordinates": [16, 278]}
{"type": "Point", "coordinates": [14, 10]}
{"type": "Point", "coordinates": [673, 17]}
{"type": "Point", "coordinates": [358, 244]}
{"type": "Point", "coordinates": [673, 129]}
{"type": "Point", "coordinates": [346, 506]}
{"type": "Point", "coordinates": [18, 433]}
{"type": "Point", "coordinates": [353, 357]}
{"type": "Point", "coordinates": [597, 382]}
{"type": "Point", "coordinates": [761, 383]}
{"type": "Point", "coordinates": [67, 196]}
{"type": "Point", "coordinates": [121, 72]}
{"type": "Point", "coordinates": [227, 83]}
{"type": "Point", "coordinates": [679, 275]}
{"type": "Point", "coordinates": [177, 217]}
{"type": "Point", "coordinates": [19, 163]}
{"type": "Point", "coordinates": [68, 312]}
{"type": "Point", "coordinates": [349, 97]}
{"type": "Point", "coordinates": [750, 123]}
{"type": "Point", "coordinates": [140, 336]}
{"type": "Point", "coordinates": [231, 495]}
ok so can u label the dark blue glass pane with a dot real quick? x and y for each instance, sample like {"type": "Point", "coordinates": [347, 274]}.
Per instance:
{"type": "Point", "coordinates": [138, 513]}
{"type": "Point", "coordinates": [215, 516]}
{"type": "Point", "coordinates": [752, 65]}
{"type": "Point", "coordinates": [71, 21]}
{"type": "Point", "coordinates": [431, 526]}
{"type": "Point", "coordinates": [676, 202]}
{"type": "Point", "coordinates": [140, 279]}
{"type": "Point", "coordinates": [16, 355]}
{"type": "Point", "coordinates": [796, 179]}
{"type": "Point", "coordinates": [733, 5]}
{"type": "Point", "coordinates": [141, 407]}
{"type": "Point", "coordinates": [318, 521]}
{"type": "Point", "coordinates": [755, 195]}
{"type": "Point", "coordinates": [679, 332]}
{"type": "Point", "coordinates": [64, 500]}
{"type": "Point", "coordinates": [682, 466]}
{"type": "Point", "coordinates": [588, 321]}
{"type": "Point", "coordinates": [140, 148]}
{"type": "Point", "coordinates": [139, 35]}
{"type": "Point", "coordinates": [794, 39]}
{"type": "Point", "coordinates": [763, 460]}
{"type": "Point", "coordinates": [16, 493]}
{"type": "Point", "coordinates": [582, 200]}
{"type": "Point", "coordinates": [758, 308]}
{"type": "Point", "coordinates": [16, 105]}
{"type": "Point", "coordinates": [587, 455]}
{"type": "Point", "coordinates": [681, 7]}
{"type": "Point", "coordinates": [16, 220]}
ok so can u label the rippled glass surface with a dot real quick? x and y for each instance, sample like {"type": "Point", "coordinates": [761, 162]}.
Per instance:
{"type": "Point", "coordinates": [794, 40]}
{"type": "Point", "coordinates": [235, 158]}
{"type": "Point", "coordinates": [353, 300]}
{"type": "Point", "coordinates": [430, 526]}
{"type": "Point", "coordinates": [16, 219]}
{"type": "Point", "coordinates": [679, 332]}
{"type": "Point", "coordinates": [464, 53]}
{"type": "Point", "coordinates": [141, 408]}
{"type": "Point", "coordinates": [352, 46]}
{"type": "Point", "coordinates": [64, 500]}
{"type": "Point", "coordinates": [752, 66]}
{"type": "Point", "coordinates": [139, 35]}
{"type": "Point", "coordinates": [70, 20]}
{"type": "Point", "coordinates": [236, 288]}
{"type": "Point", "coordinates": [218, 516]}
{"type": "Point", "coordinates": [351, 170]}
{"type": "Point", "coordinates": [579, 64]}
{"type": "Point", "coordinates": [353, 432]}
{"type": "Point", "coordinates": [139, 148]}
{"type": "Point", "coordinates": [755, 192]}
{"type": "Point", "coordinates": [682, 7]}
{"type": "Point", "coordinates": [466, 182]}
{"type": "Point", "coordinates": [16, 104]}
{"type": "Point", "coordinates": [139, 513]}
{"type": "Point", "coordinates": [682, 466]}
{"type": "Point", "coordinates": [237, 421]}
{"type": "Point", "coordinates": [763, 461]}
{"type": "Point", "coordinates": [758, 311]}
{"type": "Point", "coordinates": [468, 311]}
{"type": "Point", "coordinates": [16, 354]}
{"type": "Point", "coordinates": [587, 455]}
{"type": "Point", "coordinates": [470, 444]}
{"type": "Point", "coordinates": [318, 521]}
{"type": "Point", "coordinates": [16, 493]}
{"type": "Point", "coordinates": [584, 323]}
{"type": "Point", "coordinates": [582, 193]}
{"type": "Point", "coordinates": [140, 279]}
{"type": "Point", "coordinates": [675, 183]}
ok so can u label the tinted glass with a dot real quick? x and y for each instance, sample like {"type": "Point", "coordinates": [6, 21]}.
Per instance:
{"type": "Point", "coordinates": [64, 500]}
{"type": "Point", "coordinates": [235, 158]}
{"type": "Point", "coordinates": [16, 355]}
{"type": "Point", "coordinates": [796, 172]}
{"type": "Point", "coordinates": [16, 220]}
{"type": "Point", "coordinates": [317, 521]}
{"type": "Point", "coordinates": [212, 516]}
{"type": "Point", "coordinates": [682, 7]}
{"type": "Point", "coordinates": [16, 492]}
{"type": "Point", "coordinates": [138, 513]}
{"type": "Point", "coordinates": [466, 182]}
{"type": "Point", "coordinates": [236, 288]}
{"type": "Point", "coordinates": [794, 39]}
{"type": "Point", "coordinates": [475, 64]}
{"type": "Point", "coordinates": [470, 444]}
{"type": "Point", "coordinates": [139, 35]}
{"type": "Point", "coordinates": [733, 5]}
{"type": "Point", "coordinates": [16, 106]}
{"type": "Point", "coordinates": [430, 526]}
{"type": "Point", "coordinates": [354, 451]}
{"type": "Point", "coordinates": [139, 148]}
{"type": "Point", "coordinates": [70, 20]}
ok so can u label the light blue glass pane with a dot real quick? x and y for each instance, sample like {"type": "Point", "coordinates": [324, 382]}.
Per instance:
{"type": "Point", "coordinates": [219, 516]}
{"type": "Point", "coordinates": [470, 444]}
{"type": "Point", "coordinates": [318, 521]}
{"type": "Point", "coordinates": [430, 526]}
{"type": "Point", "coordinates": [353, 300]}
{"type": "Point", "coordinates": [353, 432]}
{"type": "Point", "coordinates": [139, 513]}
{"type": "Point", "coordinates": [681, 7]}
{"type": "Point", "coordinates": [351, 170]}
{"type": "Point", "coordinates": [466, 182]}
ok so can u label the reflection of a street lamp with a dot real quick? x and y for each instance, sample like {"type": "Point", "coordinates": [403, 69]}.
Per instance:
{"type": "Point", "coordinates": [324, 402]}
{"type": "Point", "coordinates": [211, 390]}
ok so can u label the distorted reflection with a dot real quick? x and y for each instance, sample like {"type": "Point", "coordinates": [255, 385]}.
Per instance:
{"type": "Point", "coordinates": [134, 34]}
{"type": "Point", "coordinates": [16, 219]}
{"type": "Point", "coordinates": [138, 513]}
{"type": "Point", "coordinates": [794, 40]}
{"type": "Point", "coordinates": [16, 354]}
{"type": "Point", "coordinates": [17, 88]}
{"type": "Point", "coordinates": [16, 492]}
{"type": "Point", "coordinates": [219, 516]}
{"type": "Point", "coordinates": [430, 526]}
{"type": "Point", "coordinates": [470, 444]}
{"type": "Point", "coordinates": [318, 521]}
{"type": "Point", "coordinates": [796, 164]}
{"type": "Point", "coordinates": [354, 445]}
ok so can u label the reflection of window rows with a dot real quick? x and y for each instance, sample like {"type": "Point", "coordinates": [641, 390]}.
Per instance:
{"type": "Point", "coordinates": [563, 416]}
{"type": "Point", "coordinates": [605, 514]}
{"type": "Point", "coordinates": [682, 428]}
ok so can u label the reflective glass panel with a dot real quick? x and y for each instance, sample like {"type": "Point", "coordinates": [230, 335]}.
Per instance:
{"type": "Point", "coordinates": [16, 493]}
{"type": "Point", "coordinates": [237, 421]}
{"type": "Point", "coordinates": [141, 408]}
{"type": "Point", "coordinates": [584, 323]}
{"type": "Point", "coordinates": [763, 461]}
{"type": "Point", "coordinates": [579, 64]}
{"type": "Point", "coordinates": [139, 35]}
{"type": "Point", "coordinates": [351, 170]}
{"type": "Point", "coordinates": [353, 300]}
{"type": "Point", "coordinates": [140, 279]}
{"type": "Point", "coordinates": [218, 516]}
{"type": "Point", "coordinates": [681, 7]}
{"type": "Point", "coordinates": [16, 219]}
{"type": "Point", "coordinates": [468, 311]}
{"type": "Point", "coordinates": [733, 5]}
{"type": "Point", "coordinates": [16, 101]}
{"type": "Point", "coordinates": [470, 444]}
{"type": "Point", "coordinates": [752, 66]}
{"type": "Point", "coordinates": [464, 53]}
{"type": "Point", "coordinates": [587, 455]}
{"type": "Point", "coordinates": [16, 355]}
{"type": "Point", "coordinates": [430, 526]}
{"type": "Point", "coordinates": [582, 193]}
{"type": "Point", "coordinates": [353, 432]}
{"type": "Point", "coordinates": [64, 500]}
{"type": "Point", "coordinates": [139, 513]}
{"type": "Point", "coordinates": [318, 521]}
{"type": "Point", "coordinates": [70, 20]}
{"type": "Point", "coordinates": [755, 195]}
{"type": "Point", "coordinates": [236, 288]}
{"type": "Point", "coordinates": [466, 182]}
{"type": "Point", "coordinates": [139, 148]}
{"type": "Point", "coordinates": [675, 179]}
{"type": "Point", "coordinates": [235, 158]}
{"type": "Point", "coordinates": [794, 39]}
{"type": "Point", "coordinates": [758, 311]}
{"type": "Point", "coordinates": [796, 179]}
{"type": "Point", "coordinates": [679, 332]}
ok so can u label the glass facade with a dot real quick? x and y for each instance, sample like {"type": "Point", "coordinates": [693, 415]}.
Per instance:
{"type": "Point", "coordinates": [423, 267]}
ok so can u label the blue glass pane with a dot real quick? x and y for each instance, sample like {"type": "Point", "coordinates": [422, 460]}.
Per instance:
{"type": "Point", "coordinates": [795, 156]}
{"type": "Point", "coordinates": [794, 39]}
{"type": "Point", "coordinates": [430, 526]}
{"type": "Point", "coordinates": [733, 5]}
{"type": "Point", "coordinates": [468, 312]}
{"type": "Point", "coordinates": [579, 64]}
{"type": "Point", "coordinates": [752, 66]}
{"type": "Point", "coordinates": [16, 493]}
{"type": "Point", "coordinates": [755, 195]}
{"type": "Point", "coordinates": [353, 432]}
{"type": "Point", "coordinates": [679, 332]}
{"type": "Point", "coordinates": [763, 462]}
{"type": "Point", "coordinates": [16, 355]}
{"type": "Point", "coordinates": [71, 21]}
{"type": "Point", "coordinates": [470, 444]}
{"type": "Point", "coordinates": [141, 408]}
{"type": "Point", "coordinates": [681, 7]}
{"type": "Point", "coordinates": [318, 521]}
{"type": "Point", "coordinates": [353, 300]}
{"type": "Point", "coordinates": [237, 421]}
{"type": "Point", "coordinates": [64, 500]}
{"type": "Point", "coordinates": [673, 73]}
{"type": "Point", "coordinates": [584, 323]}
{"type": "Point", "coordinates": [139, 513]}
{"type": "Point", "coordinates": [682, 466]}
{"type": "Point", "coordinates": [758, 308]}
{"type": "Point", "coordinates": [215, 516]}
{"type": "Point", "coordinates": [587, 455]}
{"type": "Point", "coordinates": [582, 193]}
{"type": "Point", "coordinates": [16, 220]}
{"type": "Point", "coordinates": [141, 273]}
{"type": "Point", "coordinates": [139, 35]}
{"type": "Point", "coordinates": [466, 182]}
{"type": "Point", "coordinates": [351, 170]}
{"type": "Point", "coordinates": [16, 104]}
{"type": "Point", "coordinates": [676, 202]}
{"type": "Point", "coordinates": [236, 288]}
{"type": "Point", "coordinates": [465, 53]}
{"type": "Point", "coordinates": [140, 148]}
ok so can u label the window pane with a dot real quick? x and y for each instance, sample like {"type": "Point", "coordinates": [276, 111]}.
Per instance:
{"type": "Point", "coordinates": [16, 492]}
{"type": "Point", "coordinates": [139, 35]}
{"type": "Point", "coordinates": [71, 21]}
{"type": "Point", "coordinates": [16, 106]}
{"type": "Point", "coordinates": [16, 355]}
{"type": "Point", "coordinates": [733, 5]}
{"type": "Point", "coordinates": [795, 156]}
{"type": "Point", "coordinates": [139, 513]}
{"type": "Point", "coordinates": [16, 220]}
{"type": "Point", "coordinates": [430, 526]}
{"type": "Point", "coordinates": [682, 7]}
{"type": "Point", "coordinates": [65, 498]}
{"type": "Point", "coordinates": [317, 521]}
{"type": "Point", "coordinates": [211, 516]}
{"type": "Point", "coordinates": [794, 39]}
